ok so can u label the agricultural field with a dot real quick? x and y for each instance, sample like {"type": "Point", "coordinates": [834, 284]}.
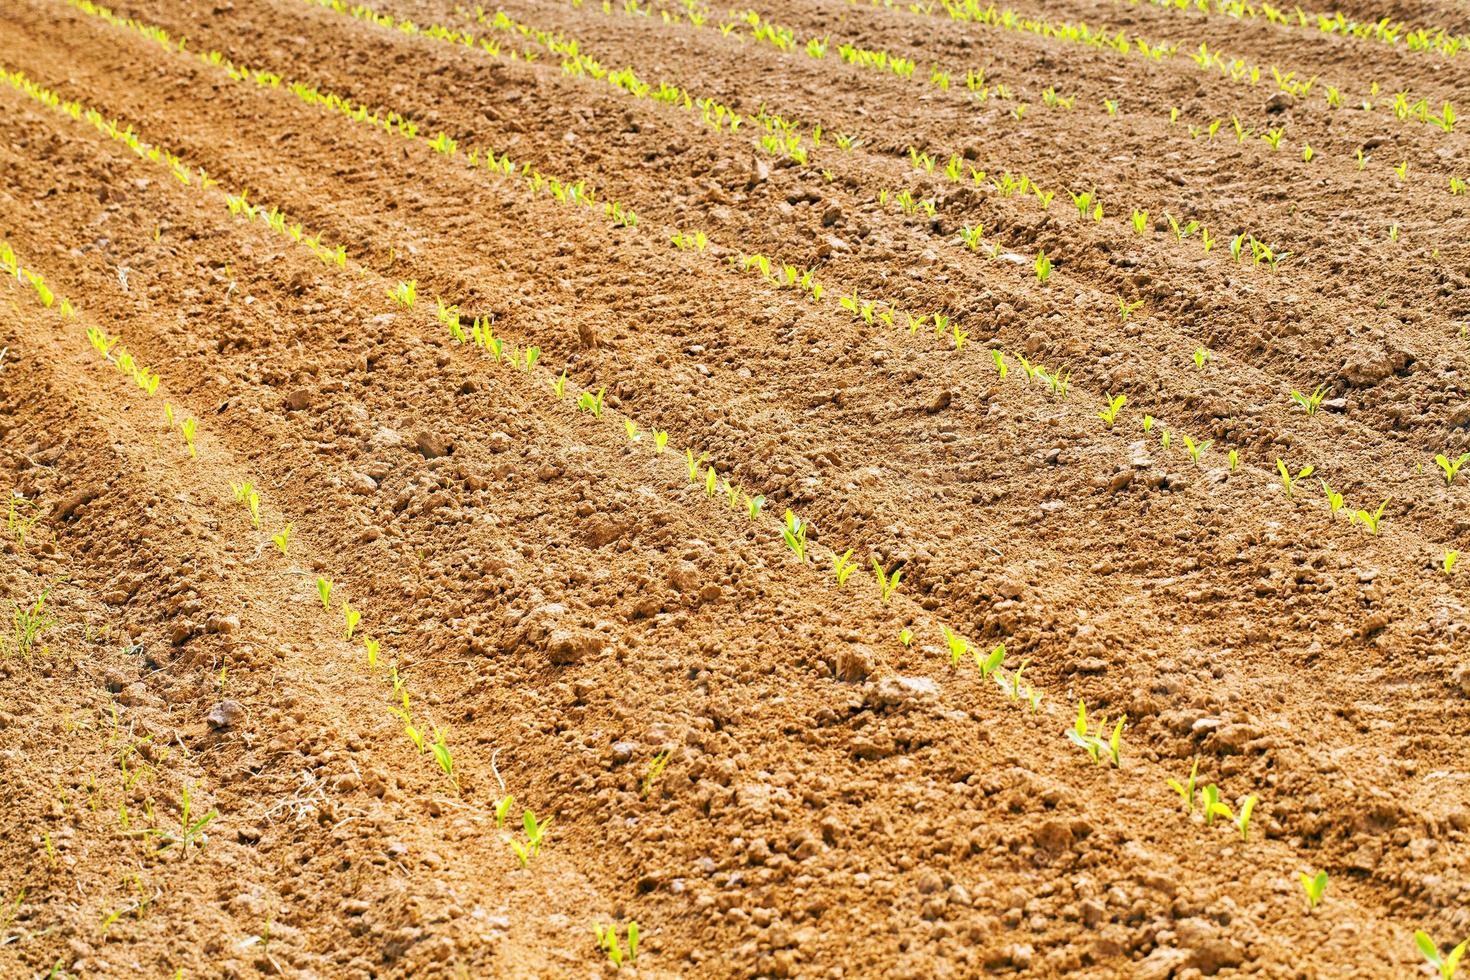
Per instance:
{"type": "Point", "coordinates": [833, 489]}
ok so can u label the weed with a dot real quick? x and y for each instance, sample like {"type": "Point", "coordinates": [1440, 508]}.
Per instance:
{"type": "Point", "coordinates": [27, 625]}
{"type": "Point", "coordinates": [655, 770]}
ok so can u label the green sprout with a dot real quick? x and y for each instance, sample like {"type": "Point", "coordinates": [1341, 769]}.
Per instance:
{"type": "Point", "coordinates": [1043, 267]}
{"type": "Point", "coordinates": [535, 838]}
{"type": "Point", "coordinates": [958, 645]}
{"type": "Point", "coordinates": [844, 567]}
{"type": "Point", "coordinates": [660, 441]}
{"type": "Point", "coordinates": [1126, 309]}
{"type": "Point", "coordinates": [886, 583]}
{"type": "Point", "coordinates": [906, 636]}
{"type": "Point", "coordinates": [405, 293]}
{"type": "Point", "coordinates": [1115, 405]}
{"type": "Point", "coordinates": [655, 770]}
{"type": "Point", "coordinates": [1314, 886]}
{"type": "Point", "coordinates": [27, 625]}
{"type": "Point", "coordinates": [352, 618]}
{"type": "Point", "coordinates": [607, 941]}
{"type": "Point", "coordinates": [1373, 519]}
{"type": "Point", "coordinates": [559, 385]}
{"type": "Point", "coordinates": [1196, 450]}
{"type": "Point", "coordinates": [794, 534]}
{"type": "Point", "coordinates": [1334, 499]}
{"type": "Point", "coordinates": [1000, 363]}
{"type": "Point", "coordinates": [692, 463]}
{"type": "Point", "coordinates": [1450, 557]}
{"type": "Point", "coordinates": [1096, 743]}
{"type": "Point", "coordinates": [991, 661]}
{"type": "Point", "coordinates": [1186, 789]}
{"type": "Point", "coordinates": [324, 590]}
{"type": "Point", "coordinates": [1288, 481]}
{"type": "Point", "coordinates": [440, 748]}
{"type": "Point", "coordinates": [283, 540]}
{"type": "Point", "coordinates": [1200, 357]}
{"type": "Point", "coordinates": [188, 427]}
{"type": "Point", "coordinates": [588, 402]}
{"type": "Point", "coordinates": [1447, 964]}
{"type": "Point", "coordinates": [1450, 467]}
{"type": "Point", "coordinates": [1310, 402]}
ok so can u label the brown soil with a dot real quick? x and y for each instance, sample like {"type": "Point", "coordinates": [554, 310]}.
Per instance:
{"type": "Point", "coordinates": [565, 606]}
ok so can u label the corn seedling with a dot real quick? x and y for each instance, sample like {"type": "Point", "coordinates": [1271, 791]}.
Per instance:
{"type": "Point", "coordinates": [958, 645]}
{"type": "Point", "coordinates": [1140, 221]}
{"type": "Point", "coordinates": [352, 617]}
{"type": "Point", "coordinates": [588, 402]}
{"type": "Point", "coordinates": [607, 941]}
{"type": "Point", "coordinates": [1289, 482]}
{"type": "Point", "coordinates": [887, 584]}
{"type": "Point", "coordinates": [1000, 363]}
{"type": "Point", "coordinates": [188, 427]}
{"type": "Point", "coordinates": [1371, 520]}
{"type": "Point", "coordinates": [1115, 405]}
{"type": "Point", "coordinates": [1334, 499]}
{"type": "Point", "coordinates": [906, 636]}
{"type": "Point", "coordinates": [1210, 805]}
{"type": "Point", "coordinates": [1314, 886]}
{"type": "Point", "coordinates": [794, 534]}
{"type": "Point", "coordinates": [1234, 458]}
{"type": "Point", "coordinates": [1448, 562]}
{"type": "Point", "coordinates": [1196, 450]}
{"type": "Point", "coordinates": [1097, 743]}
{"type": "Point", "coordinates": [1450, 467]}
{"type": "Point", "coordinates": [1446, 963]}
{"type": "Point", "coordinates": [440, 748]}
{"type": "Point", "coordinates": [753, 505]}
{"type": "Point", "coordinates": [1186, 789]}
{"type": "Point", "coordinates": [844, 567]}
{"type": "Point", "coordinates": [535, 838]}
{"type": "Point", "coordinates": [655, 770]}
{"type": "Point", "coordinates": [1043, 268]}
{"type": "Point", "coordinates": [1126, 309]}
{"type": "Point", "coordinates": [372, 646]}
{"type": "Point", "coordinates": [283, 540]}
{"type": "Point", "coordinates": [1201, 357]}
{"type": "Point", "coordinates": [1148, 423]}
{"type": "Point", "coordinates": [991, 661]}
{"type": "Point", "coordinates": [559, 386]}
{"type": "Point", "coordinates": [971, 236]}
{"type": "Point", "coordinates": [1310, 402]}
{"type": "Point", "coordinates": [660, 441]}
{"type": "Point", "coordinates": [324, 590]}
{"type": "Point", "coordinates": [693, 464]}
{"type": "Point", "coordinates": [1242, 820]}
{"type": "Point", "coordinates": [1402, 171]}
{"type": "Point", "coordinates": [405, 293]}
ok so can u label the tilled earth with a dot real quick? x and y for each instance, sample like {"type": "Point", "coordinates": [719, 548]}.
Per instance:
{"type": "Point", "coordinates": [570, 571]}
